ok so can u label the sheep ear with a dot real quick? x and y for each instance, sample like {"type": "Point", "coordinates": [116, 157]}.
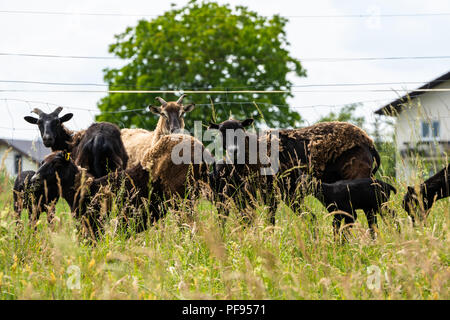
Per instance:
{"type": "Point", "coordinates": [31, 119]}
{"type": "Point", "coordinates": [189, 107]}
{"type": "Point", "coordinates": [410, 189]}
{"type": "Point", "coordinates": [213, 125]}
{"type": "Point", "coordinates": [247, 122]}
{"type": "Point", "coordinates": [155, 110]}
{"type": "Point", "coordinates": [66, 117]}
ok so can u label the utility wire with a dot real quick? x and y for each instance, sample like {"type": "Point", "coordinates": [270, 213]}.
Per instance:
{"type": "Point", "coordinates": [255, 86]}
{"type": "Point", "coordinates": [320, 59]}
{"type": "Point", "coordinates": [226, 91]}
{"type": "Point", "coordinates": [117, 14]}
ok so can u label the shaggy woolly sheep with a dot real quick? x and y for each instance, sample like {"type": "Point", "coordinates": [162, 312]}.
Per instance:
{"type": "Point", "coordinates": [330, 151]}
{"type": "Point", "coordinates": [170, 121]}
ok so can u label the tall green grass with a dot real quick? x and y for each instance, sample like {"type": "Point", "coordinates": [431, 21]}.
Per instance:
{"type": "Point", "coordinates": [197, 256]}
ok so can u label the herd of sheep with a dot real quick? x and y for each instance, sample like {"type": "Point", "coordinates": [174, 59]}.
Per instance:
{"type": "Point", "coordinates": [102, 166]}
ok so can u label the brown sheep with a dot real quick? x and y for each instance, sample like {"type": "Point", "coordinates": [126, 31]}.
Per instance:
{"type": "Point", "coordinates": [170, 121]}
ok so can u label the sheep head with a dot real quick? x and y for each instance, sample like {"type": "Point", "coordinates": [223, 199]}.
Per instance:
{"type": "Point", "coordinates": [171, 114]}
{"type": "Point", "coordinates": [50, 124]}
{"type": "Point", "coordinates": [233, 134]}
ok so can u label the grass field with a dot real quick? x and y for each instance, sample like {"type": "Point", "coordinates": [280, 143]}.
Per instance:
{"type": "Point", "coordinates": [196, 257]}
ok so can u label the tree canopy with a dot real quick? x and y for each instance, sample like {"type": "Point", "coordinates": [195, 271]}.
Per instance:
{"type": "Point", "coordinates": [203, 46]}
{"type": "Point", "coordinates": [346, 114]}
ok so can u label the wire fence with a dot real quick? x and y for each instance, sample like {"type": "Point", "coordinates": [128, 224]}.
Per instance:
{"type": "Point", "coordinates": [321, 16]}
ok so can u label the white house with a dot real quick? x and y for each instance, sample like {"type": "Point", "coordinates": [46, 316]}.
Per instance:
{"type": "Point", "coordinates": [20, 155]}
{"type": "Point", "coordinates": [422, 127]}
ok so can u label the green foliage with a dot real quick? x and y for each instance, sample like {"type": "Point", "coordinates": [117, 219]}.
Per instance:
{"type": "Point", "coordinates": [385, 146]}
{"type": "Point", "coordinates": [346, 114]}
{"type": "Point", "coordinates": [203, 46]}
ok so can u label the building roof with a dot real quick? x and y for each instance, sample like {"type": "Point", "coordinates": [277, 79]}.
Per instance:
{"type": "Point", "coordinates": [33, 149]}
{"type": "Point", "coordinates": [393, 108]}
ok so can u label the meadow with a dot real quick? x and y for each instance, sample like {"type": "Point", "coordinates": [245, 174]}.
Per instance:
{"type": "Point", "coordinates": [197, 256]}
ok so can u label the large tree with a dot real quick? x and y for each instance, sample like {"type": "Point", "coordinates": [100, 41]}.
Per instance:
{"type": "Point", "coordinates": [203, 46]}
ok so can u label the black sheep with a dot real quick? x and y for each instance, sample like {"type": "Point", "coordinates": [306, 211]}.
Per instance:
{"type": "Point", "coordinates": [35, 199]}
{"type": "Point", "coordinates": [100, 149]}
{"type": "Point", "coordinates": [330, 151]}
{"type": "Point", "coordinates": [97, 148]}
{"type": "Point", "coordinates": [349, 195]}
{"type": "Point", "coordinates": [238, 177]}
{"type": "Point", "coordinates": [54, 134]}
{"type": "Point", "coordinates": [86, 194]}
{"type": "Point", "coordinates": [435, 188]}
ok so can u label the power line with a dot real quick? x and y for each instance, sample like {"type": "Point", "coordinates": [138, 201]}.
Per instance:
{"type": "Point", "coordinates": [117, 14]}
{"type": "Point", "coordinates": [255, 86]}
{"type": "Point", "coordinates": [56, 56]}
{"type": "Point", "coordinates": [320, 59]}
{"type": "Point", "coordinates": [29, 102]}
{"type": "Point", "coordinates": [225, 91]}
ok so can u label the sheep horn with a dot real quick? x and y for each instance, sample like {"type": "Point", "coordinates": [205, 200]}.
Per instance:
{"type": "Point", "coordinates": [161, 100]}
{"type": "Point", "coordinates": [57, 111]}
{"type": "Point", "coordinates": [180, 100]}
{"type": "Point", "coordinates": [37, 111]}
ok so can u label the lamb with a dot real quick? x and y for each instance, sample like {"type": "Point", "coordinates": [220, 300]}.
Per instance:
{"type": "Point", "coordinates": [349, 195]}
{"type": "Point", "coordinates": [142, 188]}
{"type": "Point", "coordinates": [170, 121]}
{"type": "Point", "coordinates": [35, 200]}
{"type": "Point", "coordinates": [435, 188]}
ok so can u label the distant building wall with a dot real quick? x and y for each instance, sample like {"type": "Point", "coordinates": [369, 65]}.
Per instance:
{"type": "Point", "coordinates": [424, 125]}
{"type": "Point", "coordinates": [13, 159]}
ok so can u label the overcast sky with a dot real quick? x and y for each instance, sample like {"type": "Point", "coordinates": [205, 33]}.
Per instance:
{"type": "Point", "coordinates": [90, 35]}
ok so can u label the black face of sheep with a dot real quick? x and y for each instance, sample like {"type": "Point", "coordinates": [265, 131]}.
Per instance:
{"type": "Point", "coordinates": [56, 165]}
{"type": "Point", "coordinates": [232, 132]}
{"type": "Point", "coordinates": [50, 125]}
{"type": "Point", "coordinates": [171, 114]}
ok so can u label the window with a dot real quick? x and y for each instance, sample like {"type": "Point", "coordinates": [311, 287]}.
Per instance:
{"type": "Point", "coordinates": [430, 130]}
{"type": "Point", "coordinates": [17, 163]}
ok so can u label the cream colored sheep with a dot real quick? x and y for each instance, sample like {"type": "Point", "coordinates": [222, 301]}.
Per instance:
{"type": "Point", "coordinates": [170, 120]}
{"type": "Point", "coordinates": [176, 161]}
